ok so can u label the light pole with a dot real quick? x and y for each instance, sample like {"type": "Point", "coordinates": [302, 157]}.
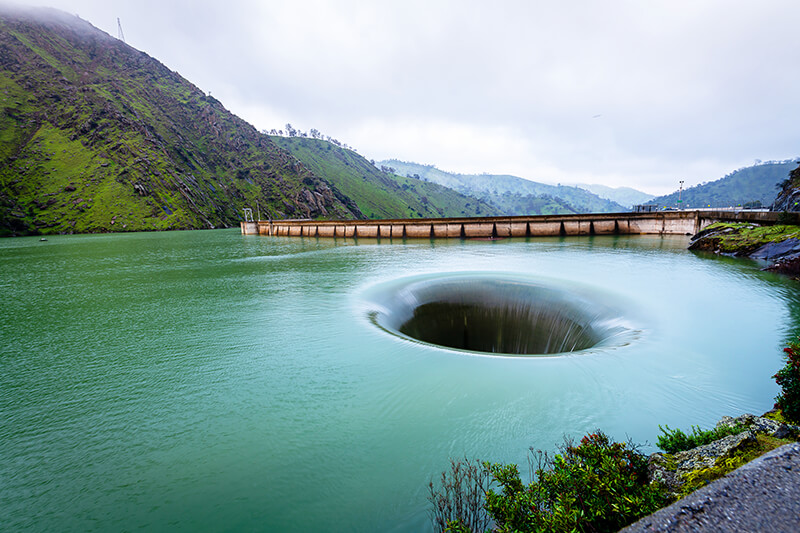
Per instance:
{"type": "Point", "coordinates": [680, 194]}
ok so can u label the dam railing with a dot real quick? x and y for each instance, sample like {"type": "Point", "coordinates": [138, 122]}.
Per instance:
{"type": "Point", "coordinates": [658, 223]}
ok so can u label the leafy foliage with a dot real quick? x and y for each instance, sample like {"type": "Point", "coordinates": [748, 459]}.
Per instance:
{"type": "Point", "coordinates": [788, 377]}
{"type": "Point", "coordinates": [675, 440]}
{"type": "Point", "coordinates": [598, 485]}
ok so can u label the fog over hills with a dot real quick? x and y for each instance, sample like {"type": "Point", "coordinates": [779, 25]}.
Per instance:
{"type": "Point", "coordinates": [514, 195]}
{"type": "Point", "coordinates": [626, 196]}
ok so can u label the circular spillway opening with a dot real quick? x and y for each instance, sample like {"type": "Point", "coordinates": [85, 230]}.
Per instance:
{"type": "Point", "coordinates": [496, 314]}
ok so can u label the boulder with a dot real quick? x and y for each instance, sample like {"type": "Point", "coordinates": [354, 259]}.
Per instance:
{"type": "Point", "coordinates": [706, 456]}
{"type": "Point", "coordinates": [661, 469]}
{"type": "Point", "coordinates": [760, 424]}
{"type": "Point", "coordinates": [777, 250]}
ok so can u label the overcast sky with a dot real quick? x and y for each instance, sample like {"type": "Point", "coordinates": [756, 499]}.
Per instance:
{"type": "Point", "coordinates": [637, 93]}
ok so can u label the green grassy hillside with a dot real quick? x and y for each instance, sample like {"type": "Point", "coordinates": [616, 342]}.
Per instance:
{"type": "Point", "coordinates": [380, 194]}
{"type": "Point", "coordinates": [97, 136]}
{"type": "Point", "coordinates": [758, 184]}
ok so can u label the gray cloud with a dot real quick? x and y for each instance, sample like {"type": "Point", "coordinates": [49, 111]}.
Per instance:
{"type": "Point", "coordinates": [684, 89]}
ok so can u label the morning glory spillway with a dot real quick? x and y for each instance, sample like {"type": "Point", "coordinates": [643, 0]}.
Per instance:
{"type": "Point", "coordinates": [494, 313]}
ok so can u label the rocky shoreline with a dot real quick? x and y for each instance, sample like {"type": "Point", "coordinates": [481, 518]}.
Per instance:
{"type": "Point", "coordinates": [778, 246]}
{"type": "Point", "coordinates": [693, 468]}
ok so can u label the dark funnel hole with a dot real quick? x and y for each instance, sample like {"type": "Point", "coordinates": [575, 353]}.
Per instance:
{"type": "Point", "coordinates": [509, 329]}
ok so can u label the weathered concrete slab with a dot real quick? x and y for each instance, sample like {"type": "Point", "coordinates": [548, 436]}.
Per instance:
{"type": "Point", "coordinates": [545, 228]}
{"type": "Point", "coordinates": [604, 227]}
{"type": "Point", "coordinates": [519, 229]}
{"type": "Point", "coordinates": [763, 495]}
{"type": "Point", "coordinates": [325, 231]}
{"type": "Point", "coordinates": [418, 231]}
{"type": "Point", "coordinates": [502, 229]}
{"type": "Point", "coordinates": [368, 231]}
{"type": "Point", "coordinates": [577, 227]}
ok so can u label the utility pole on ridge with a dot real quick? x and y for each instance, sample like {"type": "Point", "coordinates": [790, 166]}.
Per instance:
{"type": "Point", "coordinates": [119, 31]}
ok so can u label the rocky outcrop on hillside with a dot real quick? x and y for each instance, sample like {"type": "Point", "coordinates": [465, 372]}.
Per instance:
{"type": "Point", "coordinates": [98, 136]}
{"type": "Point", "coordinates": [789, 198]}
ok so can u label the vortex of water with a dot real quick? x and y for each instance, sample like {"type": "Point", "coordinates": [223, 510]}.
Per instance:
{"type": "Point", "coordinates": [499, 314]}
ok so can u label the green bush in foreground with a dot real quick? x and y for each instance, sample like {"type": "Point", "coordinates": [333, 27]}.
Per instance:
{"type": "Point", "coordinates": [675, 440]}
{"type": "Point", "coordinates": [598, 485]}
{"type": "Point", "coordinates": [788, 377]}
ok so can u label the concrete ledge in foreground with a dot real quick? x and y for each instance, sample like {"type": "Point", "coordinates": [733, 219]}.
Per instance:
{"type": "Point", "coordinates": [763, 495]}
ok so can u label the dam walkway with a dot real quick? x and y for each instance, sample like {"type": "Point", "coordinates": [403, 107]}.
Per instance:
{"type": "Point", "coordinates": [658, 223]}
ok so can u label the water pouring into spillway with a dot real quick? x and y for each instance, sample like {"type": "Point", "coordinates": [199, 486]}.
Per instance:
{"type": "Point", "coordinates": [499, 314]}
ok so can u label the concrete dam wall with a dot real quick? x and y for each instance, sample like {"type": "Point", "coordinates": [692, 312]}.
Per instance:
{"type": "Point", "coordinates": [660, 223]}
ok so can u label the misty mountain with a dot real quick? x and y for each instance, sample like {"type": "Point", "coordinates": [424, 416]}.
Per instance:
{"type": "Point", "coordinates": [513, 195]}
{"type": "Point", "coordinates": [625, 196]}
{"type": "Point", "coordinates": [754, 185]}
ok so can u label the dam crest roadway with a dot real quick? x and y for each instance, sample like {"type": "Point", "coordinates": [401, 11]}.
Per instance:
{"type": "Point", "coordinates": [655, 223]}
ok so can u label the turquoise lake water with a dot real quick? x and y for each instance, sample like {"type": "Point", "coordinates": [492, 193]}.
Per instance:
{"type": "Point", "coordinates": [209, 381]}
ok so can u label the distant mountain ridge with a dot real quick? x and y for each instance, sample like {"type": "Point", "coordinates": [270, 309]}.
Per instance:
{"type": "Point", "coordinates": [626, 196]}
{"type": "Point", "coordinates": [511, 194]}
{"type": "Point", "coordinates": [758, 184]}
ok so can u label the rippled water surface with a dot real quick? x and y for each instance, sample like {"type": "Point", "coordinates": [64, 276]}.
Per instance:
{"type": "Point", "coordinates": [209, 381]}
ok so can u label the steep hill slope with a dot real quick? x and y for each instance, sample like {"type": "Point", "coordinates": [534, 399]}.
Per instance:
{"type": "Point", "coordinates": [381, 194]}
{"type": "Point", "coordinates": [749, 185]}
{"type": "Point", "coordinates": [98, 136]}
{"type": "Point", "coordinates": [513, 195]}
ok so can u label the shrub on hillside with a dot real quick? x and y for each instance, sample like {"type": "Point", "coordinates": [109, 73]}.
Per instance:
{"type": "Point", "coordinates": [598, 485]}
{"type": "Point", "coordinates": [675, 440]}
{"type": "Point", "coordinates": [788, 377]}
